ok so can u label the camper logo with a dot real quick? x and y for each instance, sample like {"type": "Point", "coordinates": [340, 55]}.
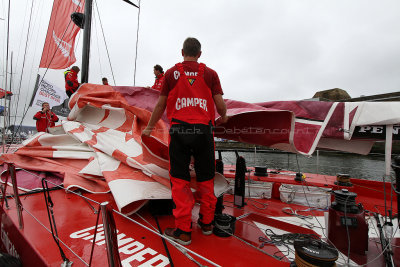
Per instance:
{"type": "Point", "coordinates": [191, 80]}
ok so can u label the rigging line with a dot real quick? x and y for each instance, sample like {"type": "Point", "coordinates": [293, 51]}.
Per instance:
{"type": "Point", "coordinates": [62, 38]}
{"type": "Point", "coordinates": [5, 88]}
{"type": "Point", "coordinates": [391, 199]}
{"type": "Point", "coordinates": [20, 38]}
{"type": "Point", "coordinates": [105, 43]}
{"type": "Point", "coordinates": [57, 185]}
{"type": "Point", "coordinates": [23, 66]}
{"type": "Point", "coordinates": [162, 236]}
{"type": "Point", "coordinates": [164, 243]}
{"type": "Point", "coordinates": [384, 195]}
{"type": "Point", "coordinates": [95, 234]}
{"type": "Point", "coordinates": [78, 38]}
{"type": "Point", "coordinates": [251, 245]}
{"type": "Point", "coordinates": [181, 250]}
{"type": "Point", "coordinates": [316, 218]}
{"type": "Point", "coordinates": [48, 230]}
{"type": "Point", "coordinates": [383, 250]}
{"type": "Point", "coordinates": [373, 224]}
{"type": "Point", "coordinates": [33, 61]}
{"type": "Point", "coordinates": [137, 42]}
{"type": "Point", "coordinates": [59, 43]}
{"type": "Point", "coordinates": [50, 212]}
{"type": "Point", "coordinates": [98, 43]}
{"type": "Point", "coordinates": [51, 13]}
{"type": "Point", "coordinates": [159, 230]}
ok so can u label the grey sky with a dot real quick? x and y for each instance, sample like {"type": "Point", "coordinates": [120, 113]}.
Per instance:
{"type": "Point", "coordinates": [263, 50]}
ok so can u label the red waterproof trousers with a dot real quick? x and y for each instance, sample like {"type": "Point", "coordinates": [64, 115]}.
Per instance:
{"type": "Point", "coordinates": [184, 201]}
{"type": "Point", "coordinates": [197, 141]}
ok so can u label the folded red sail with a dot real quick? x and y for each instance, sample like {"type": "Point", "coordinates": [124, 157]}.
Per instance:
{"type": "Point", "coordinates": [58, 51]}
{"type": "Point", "coordinates": [100, 148]}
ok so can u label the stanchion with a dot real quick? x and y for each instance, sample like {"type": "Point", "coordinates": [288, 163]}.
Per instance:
{"type": "Point", "coordinates": [110, 234]}
{"type": "Point", "coordinates": [18, 204]}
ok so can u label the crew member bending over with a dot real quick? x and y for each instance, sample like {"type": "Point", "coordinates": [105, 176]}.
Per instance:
{"type": "Point", "coordinates": [189, 92]}
{"type": "Point", "coordinates": [71, 80]}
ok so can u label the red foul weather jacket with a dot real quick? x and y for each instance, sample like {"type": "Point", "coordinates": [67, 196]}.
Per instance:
{"type": "Point", "coordinates": [71, 81]}
{"type": "Point", "coordinates": [158, 82]}
{"type": "Point", "coordinates": [191, 100]}
{"type": "Point", "coordinates": [45, 120]}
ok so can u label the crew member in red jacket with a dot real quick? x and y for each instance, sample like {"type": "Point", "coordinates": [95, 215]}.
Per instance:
{"type": "Point", "coordinates": [159, 72]}
{"type": "Point", "coordinates": [71, 80]}
{"type": "Point", "coordinates": [45, 118]}
{"type": "Point", "coordinates": [189, 93]}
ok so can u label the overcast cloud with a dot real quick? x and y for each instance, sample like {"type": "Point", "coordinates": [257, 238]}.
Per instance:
{"type": "Point", "coordinates": [262, 50]}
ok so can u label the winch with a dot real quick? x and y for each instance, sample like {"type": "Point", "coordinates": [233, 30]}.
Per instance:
{"type": "Point", "coordinates": [261, 171]}
{"type": "Point", "coordinates": [314, 252]}
{"type": "Point", "coordinates": [343, 179]}
{"type": "Point", "coordinates": [347, 224]}
{"type": "Point", "coordinates": [224, 225]}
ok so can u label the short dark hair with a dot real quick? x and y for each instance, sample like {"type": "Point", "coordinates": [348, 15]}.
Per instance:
{"type": "Point", "coordinates": [104, 79]}
{"type": "Point", "coordinates": [45, 103]}
{"type": "Point", "coordinates": [75, 68]}
{"type": "Point", "coordinates": [159, 68]}
{"type": "Point", "coordinates": [191, 47]}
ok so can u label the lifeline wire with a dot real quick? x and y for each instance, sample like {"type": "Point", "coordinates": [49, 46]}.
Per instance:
{"type": "Point", "coordinates": [126, 217]}
{"type": "Point", "coordinates": [162, 236]}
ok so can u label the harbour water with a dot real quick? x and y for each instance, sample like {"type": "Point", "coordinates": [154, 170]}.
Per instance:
{"type": "Point", "coordinates": [371, 167]}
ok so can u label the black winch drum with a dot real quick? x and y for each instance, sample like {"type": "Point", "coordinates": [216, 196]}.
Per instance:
{"type": "Point", "coordinates": [314, 252]}
{"type": "Point", "coordinates": [260, 171]}
{"type": "Point", "coordinates": [224, 225]}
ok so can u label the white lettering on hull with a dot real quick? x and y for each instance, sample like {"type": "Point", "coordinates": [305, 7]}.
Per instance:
{"type": "Point", "coordinates": [9, 246]}
{"type": "Point", "coordinates": [136, 250]}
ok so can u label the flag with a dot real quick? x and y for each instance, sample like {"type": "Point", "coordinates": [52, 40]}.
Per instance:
{"type": "Point", "coordinates": [48, 92]}
{"type": "Point", "coordinates": [62, 110]}
{"type": "Point", "coordinates": [58, 51]}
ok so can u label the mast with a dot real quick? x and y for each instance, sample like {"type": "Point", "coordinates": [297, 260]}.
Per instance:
{"type": "Point", "coordinates": [86, 41]}
{"type": "Point", "coordinates": [87, 26]}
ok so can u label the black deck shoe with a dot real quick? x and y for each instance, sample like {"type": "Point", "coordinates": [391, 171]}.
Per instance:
{"type": "Point", "coordinates": [179, 236]}
{"type": "Point", "coordinates": [205, 228]}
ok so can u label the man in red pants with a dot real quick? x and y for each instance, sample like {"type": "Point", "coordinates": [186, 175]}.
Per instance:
{"type": "Point", "coordinates": [189, 93]}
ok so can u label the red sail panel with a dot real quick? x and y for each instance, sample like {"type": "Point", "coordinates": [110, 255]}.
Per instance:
{"type": "Point", "coordinates": [58, 51]}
